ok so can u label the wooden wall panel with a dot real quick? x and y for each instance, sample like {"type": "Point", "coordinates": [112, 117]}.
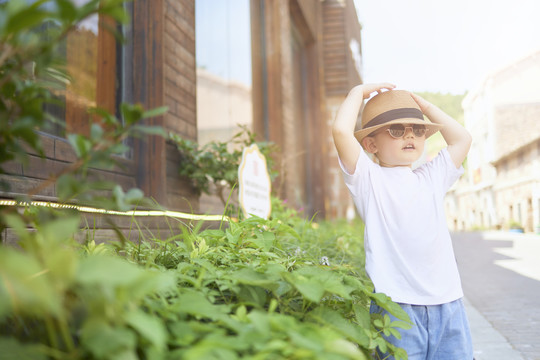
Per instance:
{"type": "Point", "coordinates": [180, 78]}
{"type": "Point", "coordinates": [106, 67]}
{"type": "Point", "coordinates": [281, 94]}
{"type": "Point", "coordinates": [148, 90]}
{"type": "Point", "coordinates": [340, 27]}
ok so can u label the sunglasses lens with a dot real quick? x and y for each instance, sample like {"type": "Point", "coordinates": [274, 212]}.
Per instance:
{"type": "Point", "coordinates": [419, 130]}
{"type": "Point", "coordinates": [397, 130]}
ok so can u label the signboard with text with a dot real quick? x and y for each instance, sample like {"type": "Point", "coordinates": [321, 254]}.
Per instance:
{"type": "Point", "coordinates": [254, 183]}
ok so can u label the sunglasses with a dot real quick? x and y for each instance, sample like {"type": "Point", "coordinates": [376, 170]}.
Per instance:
{"type": "Point", "coordinates": [398, 130]}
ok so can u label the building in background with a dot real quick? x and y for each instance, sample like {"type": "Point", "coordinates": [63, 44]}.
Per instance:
{"type": "Point", "coordinates": [281, 66]}
{"type": "Point", "coordinates": [342, 71]}
{"type": "Point", "coordinates": [154, 67]}
{"type": "Point", "coordinates": [502, 186]}
{"type": "Point", "coordinates": [291, 63]}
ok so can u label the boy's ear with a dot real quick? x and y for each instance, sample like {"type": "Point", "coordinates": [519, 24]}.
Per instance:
{"type": "Point", "coordinates": [369, 144]}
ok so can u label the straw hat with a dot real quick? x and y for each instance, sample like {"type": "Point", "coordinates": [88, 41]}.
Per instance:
{"type": "Point", "coordinates": [392, 107]}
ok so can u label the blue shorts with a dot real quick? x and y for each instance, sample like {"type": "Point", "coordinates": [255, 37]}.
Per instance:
{"type": "Point", "coordinates": [439, 332]}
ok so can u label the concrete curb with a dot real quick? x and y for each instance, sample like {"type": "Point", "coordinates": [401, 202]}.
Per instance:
{"type": "Point", "coordinates": [488, 343]}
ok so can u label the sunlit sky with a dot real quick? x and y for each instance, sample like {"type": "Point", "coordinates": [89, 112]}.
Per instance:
{"type": "Point", "coordinates": [444, 45]}
{"type": "Point", "coordinates": [421, 45]}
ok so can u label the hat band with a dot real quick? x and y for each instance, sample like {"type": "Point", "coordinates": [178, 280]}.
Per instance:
{"type": "Point", "coordinates": [394, 114]}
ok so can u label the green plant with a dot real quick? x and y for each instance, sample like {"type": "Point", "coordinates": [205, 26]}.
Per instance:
{"type": "Point", "coordinates": [57, 302]}
{"type": "Point", "coordinates": [217, 162]}
{"type": "Point", "coordinates": [46, 289]}
{"type": "Point", "coordinates": [257, 289]}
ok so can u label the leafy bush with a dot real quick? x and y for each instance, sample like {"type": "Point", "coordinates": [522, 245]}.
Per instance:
{"type": "Point", "coordinates": [257, 289]}
{"type": "Point", "coordinates": [216, 163]}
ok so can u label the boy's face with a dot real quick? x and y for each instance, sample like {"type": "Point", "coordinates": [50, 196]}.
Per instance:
{"type": "Point", "coordinates": [391, 151]}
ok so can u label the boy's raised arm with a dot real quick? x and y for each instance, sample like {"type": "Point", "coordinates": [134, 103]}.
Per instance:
{"type": "Point", "coordinates": [347, 146]}
{"type": "Point", "coordinates": [456, 136]}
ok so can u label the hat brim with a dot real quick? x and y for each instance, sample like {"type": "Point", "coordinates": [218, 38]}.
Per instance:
{"type": "Point", "coordinates": [431, 127]}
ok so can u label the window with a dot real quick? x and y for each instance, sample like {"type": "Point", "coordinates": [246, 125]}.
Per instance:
{"type": "Point", "coordinates": [100, 73]}
{"type": "Point", "coordinates": [223, 55]}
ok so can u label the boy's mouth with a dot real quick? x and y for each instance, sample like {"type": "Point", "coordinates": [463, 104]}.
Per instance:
{"type": "Point", "coordinates": [409, 147]}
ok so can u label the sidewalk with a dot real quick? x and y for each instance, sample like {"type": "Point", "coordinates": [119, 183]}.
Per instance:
{"type": "Point", "coordinates": [488, 343]}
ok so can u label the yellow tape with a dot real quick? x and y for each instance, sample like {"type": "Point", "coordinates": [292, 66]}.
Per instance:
{"type": "Point", "coordinates": [87, 209]}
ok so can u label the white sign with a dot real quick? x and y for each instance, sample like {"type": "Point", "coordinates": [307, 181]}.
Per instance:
{"type": "Point", "coordinates": [254, 183]}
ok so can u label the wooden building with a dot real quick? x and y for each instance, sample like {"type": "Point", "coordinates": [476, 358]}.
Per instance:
{"type": "Point", "coordinates": [305, 56]}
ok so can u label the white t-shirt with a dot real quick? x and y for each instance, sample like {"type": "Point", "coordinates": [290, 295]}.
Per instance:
{"type": "Point", "coordinates": [409, 254]}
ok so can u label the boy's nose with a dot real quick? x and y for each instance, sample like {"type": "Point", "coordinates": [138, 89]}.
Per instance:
{"type": "Point", "coordinates": [408, 132]}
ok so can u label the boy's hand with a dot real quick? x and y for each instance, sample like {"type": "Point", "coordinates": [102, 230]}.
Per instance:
{"type": "Point", "coordinates": [368, 89]}
{"type": "Point", "coordinates": [422, 103]}
{"type": "Point", "coordinates": [457, 138]}
{"type": "Point", "coordinates": [347, 146]}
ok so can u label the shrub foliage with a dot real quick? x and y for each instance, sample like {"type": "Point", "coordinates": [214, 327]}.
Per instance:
{"type": "Point", "coordinates": [282, 288]}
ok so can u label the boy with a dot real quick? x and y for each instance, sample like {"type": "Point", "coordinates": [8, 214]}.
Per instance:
{"type": "Point", "coordinates": [409, 254]}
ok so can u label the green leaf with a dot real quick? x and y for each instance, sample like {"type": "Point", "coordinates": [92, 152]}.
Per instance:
{"type": "Point", "coordinates": [253, 295]}
{"type": "Point", "coordinates": [362, 315]}
{"type": "Point", "coordinates": [345, 348]}
{"type": "Point", "coordinates": [105, 341]}
{"type": "Point", "coordinates": [131, 113]}
{"type": "Point", "coordinates": [249, 276]}
{"type": "Point", "coordinates": [182, 333]}
{"type": "Point", "coordinates": [387, 304]}
{"type": "Point", "coordinates": [195, 303]}
{"type": "Point", "coordinates": [401, 324]}
{"type": "Point", "coordinates": [107, 117]}
{"type": "Point", "coordinates": [26, 289]}
{"type": "Point", "coordinates": [96, 132]}
{"type": "Point", "coordinates": [325, 279]}
{"type": "Point", "coordinates": [400, 354]}
{"type": "Point", "coordinates": [148, 130]}
{"type": "Point", "coordinates": [155, 112]}
{"type": "Point", "coordinates": [62, 263]}
{"type": "Point", "coordinates": [25, 19]}
{"type": "Point", "coordinates": [67, 187]}
{"type": "Point", "coordinates": [263, 241]}
{"type": "Point", "coordinates": [337, 322]}
{"type": "Point", "coordinates": [16, 223]}
{"type": "Point", "coordinates": [261, 321]}
{"type": "Point", "coordinates": [311, 289]}
{"type": "Point", "coordinates": [66, 10]}
{"type": "Point", "coordinates": [11, 349]}
{"type": "Point", "coordinates": [60, 229]}
{"type": "Point", "coordinates": [306, 339]}
{"type": "Point", "coordinates": [133, 196]}
{"type": "Point", "coordinates": [394, 333]}
{"type": "Point", "coordinates": [150, 327]}
{"type": "Point", "coordinates": [107, 271]}
{"type": "Point", "coordinates": [80, 144]}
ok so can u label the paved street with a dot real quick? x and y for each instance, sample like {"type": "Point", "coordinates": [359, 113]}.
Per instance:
{"type": "Point", "coordinates": [500, 273]}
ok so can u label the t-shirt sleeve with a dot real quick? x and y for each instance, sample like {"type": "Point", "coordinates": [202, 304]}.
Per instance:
{"type": "Point", "coordinates": [354, 181]}
{"type": "Point", "coordinates": [443, 171]}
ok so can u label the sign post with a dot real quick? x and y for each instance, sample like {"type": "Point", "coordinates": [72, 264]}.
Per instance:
{"type": "Point", "coordinates": [254, 183]}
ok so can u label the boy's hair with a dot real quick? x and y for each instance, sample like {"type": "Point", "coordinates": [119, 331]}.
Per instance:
{"type": "Point", "coordinates": [392, 107]}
